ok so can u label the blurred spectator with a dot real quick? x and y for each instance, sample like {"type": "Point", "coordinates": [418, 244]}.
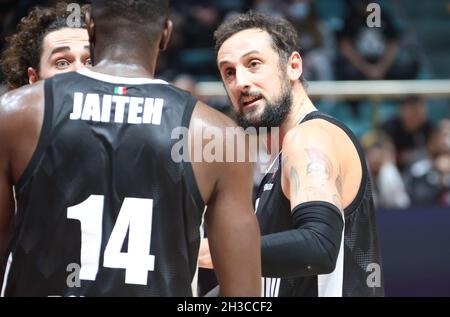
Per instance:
{"type": "Point", "coordinates": [7, 18]}
{"type": "Point", "coordinates": [7, 23]}
{"type": "Point", "coordinates": [269, 7]}
{"type": "Point", "coordinates": [11, 12]}
{"type": "Point", "coordinates": [409, 130]}
{"type": "Point", "coordinates": [316, 40]}
{"type": "Point", "coordinates": [197, 55]}
{"type": "Point", "coordinates": [202, 19]}
{"type": "Point", "coordinates": [389, 188]}
{"type": "Point", "coordinates": [188, 83]}
{"type": "Point", "coordinates": [428, 180]}
{"type": "Point", "coordinates": [370, 52]}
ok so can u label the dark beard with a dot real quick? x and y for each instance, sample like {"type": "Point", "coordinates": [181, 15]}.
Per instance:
{"type": "Point", "coordinates": [274, 113]}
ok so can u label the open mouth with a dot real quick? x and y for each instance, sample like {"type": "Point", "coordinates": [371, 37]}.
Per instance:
{"type": "Point", "coordinates": [248, 100]}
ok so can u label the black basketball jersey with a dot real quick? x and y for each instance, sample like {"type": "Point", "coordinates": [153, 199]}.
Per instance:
{"type": "Point", "coordinates": [104, 207]}
{"type": "Point", "coordinates": [358, 268]}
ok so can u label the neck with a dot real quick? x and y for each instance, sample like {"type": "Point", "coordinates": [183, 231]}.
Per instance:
{"type": "Point", "coordinates": [301, 106]}
{"type": "Point", "coordinates": [125, 62]}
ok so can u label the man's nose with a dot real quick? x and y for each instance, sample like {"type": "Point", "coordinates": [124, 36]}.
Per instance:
{"type": "Point", "coordinates": [77, 65]}
{"type": "Point", "coordinates": [242, 79]}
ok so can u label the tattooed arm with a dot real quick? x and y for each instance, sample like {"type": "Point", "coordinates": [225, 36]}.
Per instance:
{"type": "Point", "coordinates": [311, 170]}
{"type": "Point", "coordinates": [312, 181]}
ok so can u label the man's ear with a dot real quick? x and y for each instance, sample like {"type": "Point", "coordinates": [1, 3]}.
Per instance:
{"type": "Point", "coordinates": [33, 75]}
{"type": "Point", "coordinates": [165, 37]}
{"type": "Point", "coordinates": [90, 26]}
{"type": "Point", "coordinates": [295, 66]}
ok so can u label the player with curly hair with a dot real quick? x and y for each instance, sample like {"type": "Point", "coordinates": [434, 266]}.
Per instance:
{"type": "Point", "coordinates": [46, 43]}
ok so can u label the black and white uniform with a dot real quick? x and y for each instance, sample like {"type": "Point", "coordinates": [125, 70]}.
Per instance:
{"type": "Point", "coordinates": [103, 208]}
{"type": "Point", "coordinates": [358, 268]}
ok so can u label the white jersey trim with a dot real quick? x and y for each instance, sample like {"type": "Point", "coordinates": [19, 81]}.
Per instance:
{"type": "Point", "coordinates": [331, 285]}
{"type": "Point", "coordinates": [5, 277]}
{"type": "Point", "coordinates": [120, 80]}
{"type": "Point", "coordinates": [270, 286]}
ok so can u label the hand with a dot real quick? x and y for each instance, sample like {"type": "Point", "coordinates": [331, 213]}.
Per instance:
{"type": "Point", "coordinates": [442, 164]}
{"type": "Point", "coordinates": [204, 256]}
{"type": "Point", "coordinates": [375, 72]}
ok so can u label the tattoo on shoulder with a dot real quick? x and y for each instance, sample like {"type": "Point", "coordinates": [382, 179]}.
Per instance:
{"type": "Point", "coordinates": [339, 183]}
{"type": "Point", "coordinates": [284, 161]}
{"type": "Point", "coordinates": [316, 193]}
{"type": "Point", "coordinates": [295, 181]}
{"type": "Point", "coordinates": [337, 202]}
{"type": "Point", "coordinates": [319, 163]}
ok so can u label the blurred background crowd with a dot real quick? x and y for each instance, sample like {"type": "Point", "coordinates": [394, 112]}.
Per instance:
{"type": "Point", "coordinates": [407, 141]}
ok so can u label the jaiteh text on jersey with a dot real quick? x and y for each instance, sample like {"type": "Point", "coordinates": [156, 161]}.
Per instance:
{"type": "Point", "coordinates": [93, 107]}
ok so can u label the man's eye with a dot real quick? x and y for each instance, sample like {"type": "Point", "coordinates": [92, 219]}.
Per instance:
{"type": "Point", "coordinates": [62, 64]}
{"type": "Point", "coordinates": [229, 72]}
{"type": "Point", "coordinates": [88, 62]}
{"type": "Point", "coordinates": [254, 64]}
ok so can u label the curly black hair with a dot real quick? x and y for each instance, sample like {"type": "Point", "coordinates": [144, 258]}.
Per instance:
{"type": "Point", "coordinates": [24, 48]}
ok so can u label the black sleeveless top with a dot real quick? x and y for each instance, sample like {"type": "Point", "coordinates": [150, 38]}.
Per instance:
{"type": "Point", "coordinates": [361, 274]}
{"type": "Point", "coordinates": [103, 208]}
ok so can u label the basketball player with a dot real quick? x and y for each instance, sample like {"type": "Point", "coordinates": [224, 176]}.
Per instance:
{"type": "Point", "coordinates": [315, 205]}
{"type": "Point", "coordinates": [103, 208]}
{"type": "Point", "coordinates": [44, 45]}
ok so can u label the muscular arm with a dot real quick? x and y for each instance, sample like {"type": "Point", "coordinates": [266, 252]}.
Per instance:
{"type": "Point", "coordinates": [231, 224]}
{"type": "Point", "coordinates": [21, 116]}
{"type": "Point", "coordinates": [311, 171]}
{"type": "Point", "coordinates": [312, 181]}
{"type": "Point", "coordinates": [6, 217]}
{"type": "Point", "coordinates": [6, 192]}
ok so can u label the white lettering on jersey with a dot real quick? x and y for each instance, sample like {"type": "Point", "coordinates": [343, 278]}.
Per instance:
{"type": "Point", "coordinates": [91, 109]}
{"type": "Point", "coordinates": [135, 110]}
{"type": "Point", "coordinates": [153, 110]}
{"type": "Point", "coordinates": [77, 106]}
{"type": "Point", "coordinates": [106, 108]}
{"type": "Point", "coordinates": [121, 102]}
{"type": "Point", "coordinates": [100, 108]}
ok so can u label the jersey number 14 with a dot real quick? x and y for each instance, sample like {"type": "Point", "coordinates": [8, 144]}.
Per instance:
{"type": "Point", "coordinates": [135, 217]}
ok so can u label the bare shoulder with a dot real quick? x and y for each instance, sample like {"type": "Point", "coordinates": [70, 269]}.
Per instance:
{"type": "Point", "coordinates": [206, 116]}
{"type": "Point", "coordinates": [311, 133]}
{"type": "Point", "coordinates": [219, 153]}
{"type": "Point", "coordinates": [20, 103]}
{"type": "Point", "coordinates": [21, 116]}
{"type": "Point", "coordinates": [213, 125]}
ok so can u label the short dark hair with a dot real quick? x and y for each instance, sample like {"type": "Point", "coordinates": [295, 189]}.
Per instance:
{"type": "Point", "coordinates": [24, 48]}
{"type": "Point", "coordinates": [285, 38]}
{"type": "Point", "coordinates": [411, 100]}
{"type": "Point", "coordinates": [131, 15]}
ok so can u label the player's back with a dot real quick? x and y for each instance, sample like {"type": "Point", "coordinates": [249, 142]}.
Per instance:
{"type": "Point", "coordinates": [103, 193]}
